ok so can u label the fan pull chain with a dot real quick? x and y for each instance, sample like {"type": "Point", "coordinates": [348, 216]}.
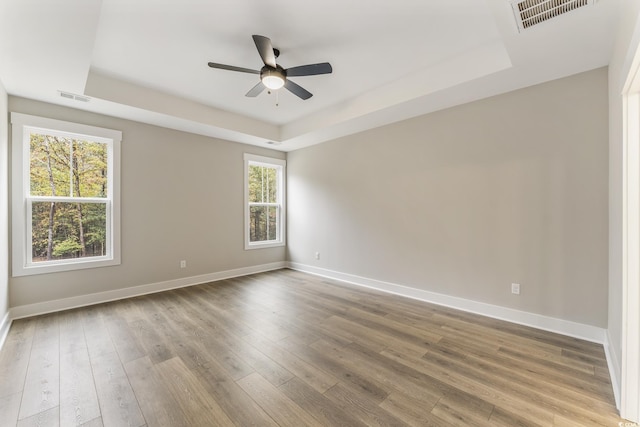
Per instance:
{"type": "Point", "coordinates": [277, 98]}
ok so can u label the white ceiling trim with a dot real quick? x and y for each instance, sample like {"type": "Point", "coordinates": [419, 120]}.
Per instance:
{"type": "Point", "coordinates": [155, 102]}
{"type": "Point", "coordinates": [387, 103]}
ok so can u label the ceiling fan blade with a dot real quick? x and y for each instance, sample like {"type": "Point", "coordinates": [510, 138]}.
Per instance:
{"type": "Point", "coordinates": [309, 70]}
{"type": "Point", "coordinates": [256, 90]}
{"type": "Point", "coordinates": [233, 68]}
{"type": "Point", "coordinates": [297, 90]}
{"type": "Point", "coordinates": [265, 49]}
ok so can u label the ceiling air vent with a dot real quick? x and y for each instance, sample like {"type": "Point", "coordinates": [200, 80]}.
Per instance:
{"type": "Point", "coordinates": [69, 95]}
{"type": "Point", "coordinates": [531, 12]}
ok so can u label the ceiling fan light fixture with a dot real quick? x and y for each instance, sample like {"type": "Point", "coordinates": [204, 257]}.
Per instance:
{"type": "Point", "coordinates": [273, 81]}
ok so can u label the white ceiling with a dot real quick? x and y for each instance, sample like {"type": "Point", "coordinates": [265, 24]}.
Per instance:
{"type": "Point", "coordinates": [146, 60]}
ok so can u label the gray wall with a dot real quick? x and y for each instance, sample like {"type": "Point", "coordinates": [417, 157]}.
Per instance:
{"type": "Point", "coordinates": [467, 200]}
{"type": "Point", "coordinates": [182, 198]}
{"type": "Point", "coordinates": [4, 206]}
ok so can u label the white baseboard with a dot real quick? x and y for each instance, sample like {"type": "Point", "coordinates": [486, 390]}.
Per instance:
{"type": "Point", "coordinates": [100, 297]}
{"type": "Point", "coordinates": [5, 325]}
{"type": "Point", "coordinates": [538, 321]}
{"type": "Point", "coordinates": [614, 368]}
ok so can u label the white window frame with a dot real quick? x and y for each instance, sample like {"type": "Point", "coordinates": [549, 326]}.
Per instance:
{"type": "Point", "coordinates": [280, 166]}
{"type": "Point", "coordinates": [21, 262]}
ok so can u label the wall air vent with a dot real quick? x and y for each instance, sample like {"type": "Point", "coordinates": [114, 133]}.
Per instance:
{"type": "Point", "coordinates": [532, 12]}
{"type": "Point", "coordinates": [75, 97]}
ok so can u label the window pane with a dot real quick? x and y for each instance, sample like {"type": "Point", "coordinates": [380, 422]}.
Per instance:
{"type": "Point", "coordinates": [263, 184]}
{"type": "Point", "coordinates": [89, 169]}
{"type": "Point", "coordinates": [67, 167]}
{"type": "Point", "coordinates": [263, 223]}
{"type": "Point", "coordinates": [273, 214]}
{"type": "Point", "coordinates": [255, 184]}
{"type": "Point", "coordinates": [68, 230]}
{"type": "Point", "coordinates": [271, 183]}
{"type": "Point", "coordinates": [49, 166]}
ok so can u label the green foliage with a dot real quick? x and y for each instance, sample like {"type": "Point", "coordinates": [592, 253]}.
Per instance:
{"type": "Point", "coordinates": [66, 226]}
{"type": "Point", "coordinates": [65, 167]}
{"type": "Point", "coordinates": [58, 164]}
{"type": "Point", "coordinates": [94, 220]}
{"type": "Point", "coordinates": [263, 188]}
{"type": "Point", "coordinates": [263, 223]}
{"type": "Point", "coordinates": [263, 184]}
{"type": "Point", "coordinates": [67, 247]}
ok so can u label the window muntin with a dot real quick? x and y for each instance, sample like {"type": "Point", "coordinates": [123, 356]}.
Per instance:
{"type": "Point", "coordinates": [65, 196]}
{"type": "Point", "coordinates": [264, 201]}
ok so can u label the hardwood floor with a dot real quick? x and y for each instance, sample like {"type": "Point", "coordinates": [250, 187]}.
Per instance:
{"type": "Point", "coordinates": [288, 349]}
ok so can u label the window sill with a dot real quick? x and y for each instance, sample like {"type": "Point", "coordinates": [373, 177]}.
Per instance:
{"type": "Point", "coordinates": [60, 266]}
{"type": "Point", "coordinates": [251, 246]}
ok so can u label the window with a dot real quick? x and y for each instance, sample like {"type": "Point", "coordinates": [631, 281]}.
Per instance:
{"type": "Point", "coordinates": [65, 201]}
{"type": "Point", "coordinates": [264, 201]}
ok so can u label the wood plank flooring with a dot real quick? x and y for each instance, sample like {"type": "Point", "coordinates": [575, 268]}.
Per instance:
{"type": "Point", "coordinates": [288, 349]}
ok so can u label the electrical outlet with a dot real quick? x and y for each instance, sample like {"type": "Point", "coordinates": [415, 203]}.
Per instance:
{"type": "Point", "coordinates": [183, 264]}
{"type": "Point", "coordinates": [515, 288]}
{"type": "Point", "coordinates": [317, 255]}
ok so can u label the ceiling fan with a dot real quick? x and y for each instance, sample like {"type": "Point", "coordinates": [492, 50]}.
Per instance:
{"type": "Point", "coordinates": [272, 75]}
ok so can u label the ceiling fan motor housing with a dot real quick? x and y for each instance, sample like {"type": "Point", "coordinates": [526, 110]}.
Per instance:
{"type": "Point", "coordinates": [270, 71]}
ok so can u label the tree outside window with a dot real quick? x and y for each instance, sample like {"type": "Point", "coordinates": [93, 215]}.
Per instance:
{"type": "Point", "coordinates": [264, 201]}
{"type": "Point", "coordinates": [69, 173]}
